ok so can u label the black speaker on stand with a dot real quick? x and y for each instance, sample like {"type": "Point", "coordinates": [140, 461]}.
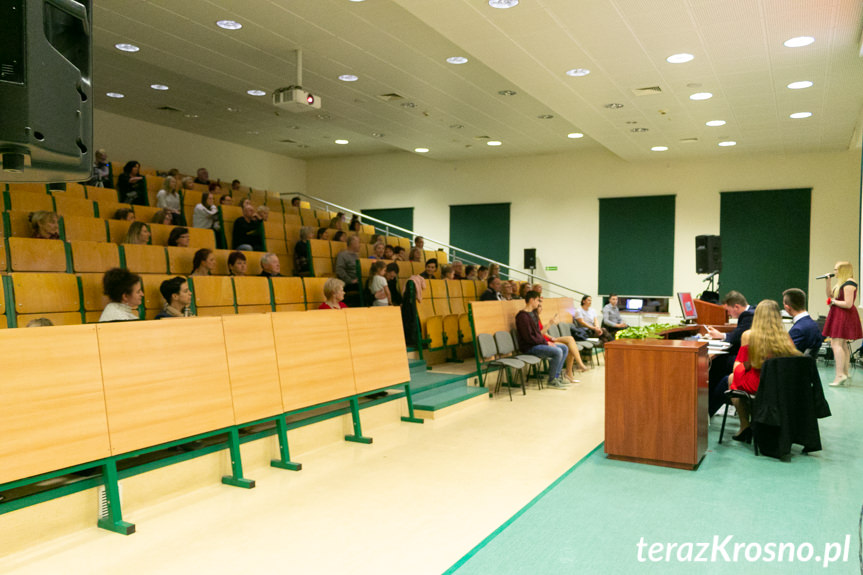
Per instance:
{"type": "Point", "coordinates": [708, 254]}
{"type": "Point", "coordinates": [530, 261]}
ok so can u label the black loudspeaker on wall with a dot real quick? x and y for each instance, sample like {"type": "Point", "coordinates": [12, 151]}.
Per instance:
{"type": "Point", "coordinates": [708, 254]}
{"type": "Point", "coordinates": [46, 125]}
{"type": "Point", "coordinates": [530, 258]}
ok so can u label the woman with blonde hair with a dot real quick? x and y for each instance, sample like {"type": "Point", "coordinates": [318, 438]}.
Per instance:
{"type": "Point", "coordinates": [766, 339]}
{"type": "Point", "coordinates": [139, 233]}
{"type": "Point", "coordinates": [46, 225]}
{"type": "Point", "coordinates": [843, 321]}
{"type": "Point", "coordinates": [574, 354]}
{"type": "Point", "coordinates": [334, 293]}
{"type": "Point", "coordinates": [168, 198]}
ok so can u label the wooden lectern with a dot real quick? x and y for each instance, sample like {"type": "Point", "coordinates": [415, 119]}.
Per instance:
{"type": "Point", "coordinates": [710, 313]}
{"type": "Point", "coordinates": [656, 401]}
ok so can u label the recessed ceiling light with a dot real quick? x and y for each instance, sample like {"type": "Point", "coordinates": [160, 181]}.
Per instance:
{"type": "Point", "coordinates": [253, 132]}
{"type": "Point", "coordinates": [798, 115]}
{"type": "Point", "coordinates": [256, 93]}
{"type": "Point", "coordinates": [701, 96]}
{"type": "Point", "coordinates": [421, 150]}
{"type": "Point", "coordinates": [342, 142]}
{"type": "Point", "coordinates": [681, 58]}
{"type": "Point", "coordinates": [357, 0]}
{"type": "Point", "coordinates": [493, 143]}
{"type": "Point", "coordinates": [377, 134]}
{"type": "Point", "coordinates": [575, 135]}
{"type": "Point", "coordinates": [800, 85]}
{"type": "Point", "coordinates": [502, 3]}
{"type": "Point", "coordinates": [715, 123]}
{"type": "Point", "coordinates": [115, 95]}
{"type": "Point", "coordinates": [727, 143]}
{"type": "Point", "coordinates": [798, 41]}
{"type": "Point", "coordinates": [457, 60]}
{"type": "Point", "coordinates": [193, 116]}
{"type": "Point", "coordinates": [229, 24]}
{"type": "Point", "coordinates": [578, 72]}
{"type": "Point", "coordinates": [507, 92]}
{"type": "Point", "coordinates": [348, 78]}
{"type": "Point", "coordinates": [614, 106]}
{"type": "Point", "coordinates": [126, 47]}
{"type": "Point", "coordinates": [545, 116]}
{"type": "Point", "coordinates": [231, 109]}
{"type": "Point", "coordinates": [408, 105]}
{"type": "Point", "coordinates": [160, 87]}
{"type": "Point", "coordinates": [659, 148]}
{"type": "Point", "coordinates": [638, 130]}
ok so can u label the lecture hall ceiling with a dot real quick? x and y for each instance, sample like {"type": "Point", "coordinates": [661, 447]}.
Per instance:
{"type": "Point", "coordinates": [401, 46]}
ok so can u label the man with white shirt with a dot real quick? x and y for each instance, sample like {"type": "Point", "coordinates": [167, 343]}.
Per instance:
{"type": "Point", "coordinates": [804, 332]}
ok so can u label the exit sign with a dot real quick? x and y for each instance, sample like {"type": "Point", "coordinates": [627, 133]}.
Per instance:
{"type": "Point", "coordinates": [551, 268]}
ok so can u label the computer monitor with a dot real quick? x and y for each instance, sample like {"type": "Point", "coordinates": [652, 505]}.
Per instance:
{"type": "Point", "coordinates": [687, 306]}
{"type": "Point", "coordinates": [634, 304]}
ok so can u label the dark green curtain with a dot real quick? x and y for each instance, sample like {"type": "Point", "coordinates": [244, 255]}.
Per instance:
{"type": "Point", "coordinates": [482, 229]}
{"type": "Point", "coordinates": [402, 217]}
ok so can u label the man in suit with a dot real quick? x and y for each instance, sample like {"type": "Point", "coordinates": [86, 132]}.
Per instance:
{"type": "Point", "coordinates": [721, 365]}
{"type": "Point", "coordinates": [804, 332]}
{"type": "Point", "coordinates": [493, 291]}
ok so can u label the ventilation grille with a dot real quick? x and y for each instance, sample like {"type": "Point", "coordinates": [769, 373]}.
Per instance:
{"type": "Point", "coordinates": [648, 91]}
{"type": "Point", "coordinates": [169, 109]}
{"type": "Point", "coordinates": [391, 97]}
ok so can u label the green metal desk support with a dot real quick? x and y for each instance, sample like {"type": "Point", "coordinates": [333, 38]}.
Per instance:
{"type": "Point", "coordinates": [113, 521]}
{"type": "Point", "coordinates": [236, 478]}
{"type": "Point", "coordinates": [358, 429]}
{"type": "Point", "coordinates": [410, 418]}
{"type": "Point", "coordinates": [284, 461]}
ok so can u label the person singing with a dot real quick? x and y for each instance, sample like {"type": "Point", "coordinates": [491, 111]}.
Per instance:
{"type": "Point", "coordinates": [843, 322]}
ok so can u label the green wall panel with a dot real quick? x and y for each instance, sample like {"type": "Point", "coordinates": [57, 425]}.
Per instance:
{"type": "Point", "coordinates": [482, 229]}
{"type": "Point", "coordinates": [402, 217]}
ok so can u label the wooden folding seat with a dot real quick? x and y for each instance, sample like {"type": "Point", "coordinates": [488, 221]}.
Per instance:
{"type": "Point", "coordinates": [274, 202]}
{"type": "Point", "coordinates": [192, 198]}
{"type": "Point", "coordinates": [468, 290]}
{"type": "Point", "coordinates": [286, 263]}
{"type": "Point", "coordinates": [222, 262]}
{"type": "Point", "coordinates": [368, 229]}
{"type": "Point", "coordinates": [145, 259]}
{"type": "Point", "coordinates": [94, 256]}
{"type": "Point", "coordinates": [145, 213]}
{"type": "Point", "coordinates": [405, 270]}
{"type": "Point", "coordinates": [228, 215]}
{"type": "Point", "coordinates": [108, 209]}
{"type": "Point", "coordinates": [274, 230]}
{"type": "Point", "coordinates": [93, 298]}
{"type": "Point", "coordinates": [304, 205]}
{"type": "Point", "coordinates": [405, 243]}
{"type": "Point", "coordinates": [441, 306]}
{"type": "Point", "coordinates": [429, 254]}
{"type": "Point", "coordinates": [481, 286]}
{"type": "Point", "coordinates": [442, 257]}
{"type": "Point", "coordinates": [314, 289]}
{"type": "Point", "coordinates": [214, 295]}
{"type": "Point", "coordinates": [37, 255]}
{"type": "Point", "coordinates": [106, 195]}
{"type": "Point", "coordinates": [417, 267]}
{"type": "Point", "coordinates": [201, 188]}
{"type": "Point", "coordinates": [293, 220]}
{"type": "Point", "coordinates": [17, 224]}
{"type": "Point", "coordinates": [154, 184]}
{"type": "Point", "coordinates": [252, 294]}
{"type": "Point", "coordinates": [159, 234]}
{"type": "Point", "coordinates": [117, 230]}
{"type": "Point", "coordinates": [26, 201]}
{"type": "Point", "coordinates": [438, 288]}
{"type": "Point", "coordinates": [69, 206]}
{"type": "Point", "coordinates": [253, 263]}
{"type": "Point", "coordinates": [308, 218]}
{"type": "Point", "coordinates": [320, 248]}
{"type": "Point", "coordinates": [454, 289]}
{"type": "Point", "coordinates": [201, 238]}
{"type": "Point", "coordinates": [292, 234]}
{"type": "Point", "coordinates": [258, 197]}
{"type": "Point", "coordinates": [288, 294]}
{"type": "Point", "coordinates": [51, 295]}
{"type": "Point", "coordinates": [74, 190]}
{"type": "Point", "coordinates": [391, 241]}
{"type": "Point", "coordinates": [323, 267]}
{"type": "Point", "coordinates": [180, 260]}
{"type": "Point", "coordinates": [28, 187]}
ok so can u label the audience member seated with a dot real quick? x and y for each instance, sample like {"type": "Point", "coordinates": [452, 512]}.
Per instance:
{"type": "Point", "coordinates": [168, 198]}
{"type": "Point", "coordinates": [178, 298]}
{"type": "Point", "coordinates": [482, 273]}
{"type": "Point", "coordinates": [163, 217]}
{"type": "Point", "coordinates": [721, 365]}
{"type": "Point", "coordinates": [611, 319]}
{"type": "Point", "coordinates": [203, 263]}
{"type": "Point", "coordinates": [505, 291]}
{"type": "Point", "coordinates": [103, 176]}
{"type": "Point", "coordinates": [587, 318]}
{"type": "Point", "coordinates": [179, 237]}
{"type": "Point", "coordinates": [248, 232]}
{"type": "Point", "coordinates": [124, 292]}
{"type": "Point", "coordinates": [377, 284]}
{"type": "Point", "coordinates": [226, 200]}
{"type": "Point", "coordinates": [493, 291]}
{"type": "Point", "coordinates": [447, 273]}
{"type": "Point", "coordinates": [531, 341]}
{"type": "Point", "coordinates": [302, 267]}
{"type": "Point", "coordinates": [124, 214]}
{"type": "Point", "coordinates": [522, 290]}
{"type": "Point", "coordinates": [340, 236]}
{"type": "Point", "coordinates": [804, 331]}
{"type": "Point", "coordinates": [263, 213]}
{"type": "Point", "coordinates": [139, 233]}
{"type": "Point", "coordinates": [40, 322]}
{"type": "Point", "coordinates": [398, 254]}
{"type": "Point", "coordinates": [237, 264]}
{"type": "Point", "coordinates": [346, 269]}
{"type": "Point", "coordinates": [175, 173]}
{"type": "Point", "coordinates": [415, 255]}
{"type": "Point", "coordinates": [355, 225]}
{"type": "Point", "coordinates": [493, 270]}
{"type": "Point", "coordinates": [131, 186]}
{"type": "Point", "coordinates": [215, 188]}
{"type": "Point", "coordinates": [392, 275]}
{"type": "Point", "coordinates": [573, 354]}
{"type": "Point", "coordinates": [235, 186]}
{"type": "Point", "coordinates": [270, 266]}
{"type": "Point", "coordinates": [334, 293]}
{"type": "Point", "coordinates": [206, 214]}
{"type": "Point", "coordinates": [322, 234]}
{"type": "Point", "coordinates": [45, 225]}
{"type": "Point", "coordinates": [380, 251]}
{"type": "Point", "coordinates": [431, 269]}
{"type": "Point", "coordinates": [419, 243]}
{"type": "Point", "coordinates": [470, 273]}
{"type": "Point", "coordinates": [338, 222]}
{"type": "Point", "coordinates": [389, 254]}
{"type": "Point", "coordinates": [458, 270]}
{"type": "Point", "coordinates": [295, 202]}
{"type": "Point", "coordinates": [188, 183]}
{"type": "Point", "coordinates": [766, 339]}
{"type": "Point", "coordinates": [203, 177]}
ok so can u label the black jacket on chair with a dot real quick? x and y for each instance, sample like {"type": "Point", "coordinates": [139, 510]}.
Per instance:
{"type": "Point", "coordinates": [789, 403]}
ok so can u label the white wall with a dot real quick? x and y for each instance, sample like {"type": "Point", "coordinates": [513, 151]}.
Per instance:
{"type": "Point", "coordinates": [555, 204]}
{"type": "Point", "coordinates": [164, 148]}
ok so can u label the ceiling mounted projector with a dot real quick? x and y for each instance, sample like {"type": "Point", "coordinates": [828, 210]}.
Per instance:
{"type": "Point", "coordinates": [295, 99]}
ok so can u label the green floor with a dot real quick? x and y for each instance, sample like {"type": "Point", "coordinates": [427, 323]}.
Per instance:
{"type": "Point", "coordinates": [592, 519]}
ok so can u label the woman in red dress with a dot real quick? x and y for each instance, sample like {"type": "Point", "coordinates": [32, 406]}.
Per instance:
{"type": "Point", "coordinates": [843, 322]}
{"type": "Point", "coordinates": [766, 339]}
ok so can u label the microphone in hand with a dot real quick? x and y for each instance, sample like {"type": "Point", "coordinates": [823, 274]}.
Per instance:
{"type": "Point", "coordinates": [824, 277]}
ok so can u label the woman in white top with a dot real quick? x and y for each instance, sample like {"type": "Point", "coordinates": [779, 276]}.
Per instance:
{"type": "Point", "coordinates": [168, 198]}
{"type": "Point", "coordinates": [586, 317]}
{"type": "Point", "coordinates": [123, 288]}
{"type": "Point", "coordinates": [378, 284]}
{"type": "Point", "coordinates": [206, 214]}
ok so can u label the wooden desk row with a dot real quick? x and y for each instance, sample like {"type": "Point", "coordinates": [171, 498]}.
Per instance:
{"type": "Point", "coordinates": [86, 396]}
